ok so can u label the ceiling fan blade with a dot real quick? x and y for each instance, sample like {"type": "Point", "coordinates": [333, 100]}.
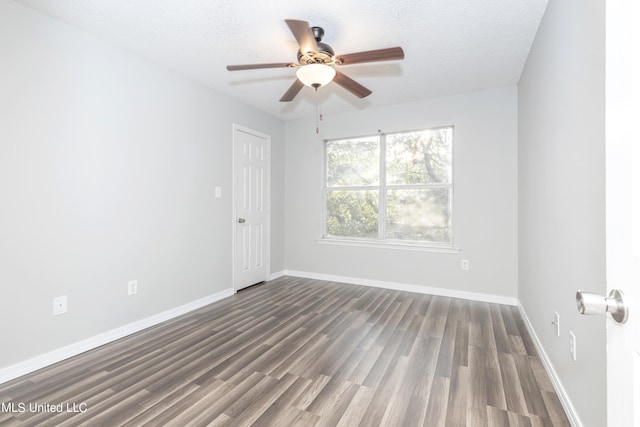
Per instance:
{"type": "Point", "coordinates": [292, 91]}
{"type": "Point", "coordinates": [303, 34]}
{"type": "Point", "coordinates": [388, 54]}
{"type": "Point", "coordinates": [351, 85]}
{"type": "Point", "coordinates": [257, 66]}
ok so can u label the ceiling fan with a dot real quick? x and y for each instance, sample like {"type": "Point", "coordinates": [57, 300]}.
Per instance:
{"type": "Point", "coordinates": [316, 61]}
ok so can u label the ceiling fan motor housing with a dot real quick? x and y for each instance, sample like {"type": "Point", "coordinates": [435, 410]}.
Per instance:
{"type": "Point", "coordinates": [324, 54]}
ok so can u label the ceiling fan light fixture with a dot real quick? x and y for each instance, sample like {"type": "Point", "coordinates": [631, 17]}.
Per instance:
{"type": "Point", "coordinates": [315, 75]}
{"type": "Point", "coordinates": [316, 61]}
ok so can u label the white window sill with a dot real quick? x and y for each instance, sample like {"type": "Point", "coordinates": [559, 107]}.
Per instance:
{"type": "Point", "coordinates": [420, 247]}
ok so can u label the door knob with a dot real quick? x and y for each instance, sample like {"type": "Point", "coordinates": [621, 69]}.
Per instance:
{"type": "Point", "coordinates": [592, 303]}
{"type": "Point", "coordinates": [241, 220]}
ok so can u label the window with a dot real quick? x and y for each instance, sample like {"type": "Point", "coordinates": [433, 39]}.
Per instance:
{"type": "Point", "coordinates": [390, 188]}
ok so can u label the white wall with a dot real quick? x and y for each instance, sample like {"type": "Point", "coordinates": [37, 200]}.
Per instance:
{"type": "Point", "coordinates": [485, 195]}
{"type": "Point", "coordinates": [107, 172]}
{"type": "Point", "coordinates": [561, 194]}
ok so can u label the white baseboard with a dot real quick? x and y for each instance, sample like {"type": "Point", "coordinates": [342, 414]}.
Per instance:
{"type": "Point", "coordinates": [55, 356]}
{"type": "Point", "coordinates": [277, 275]}
{"type": "Point", "coordinates": [555, 380]}
{"type": "Point", "coordinates": [474, 296]}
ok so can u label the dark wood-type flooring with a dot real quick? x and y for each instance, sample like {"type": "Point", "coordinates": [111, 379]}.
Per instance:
{"type": "Point", "coordinates": [299, 352]}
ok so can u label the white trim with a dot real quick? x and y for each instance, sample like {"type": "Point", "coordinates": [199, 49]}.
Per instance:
{"type": "Point", "coordinates": [276, 275]}
{"type": "Point", "coordinates": [473, 296]}
{"type": "Point", "coordinates": [555, 380]}
{"type": "Point", "coordinates": [55, 356]}
{"type": "Point", "coordinates": [386, 244]}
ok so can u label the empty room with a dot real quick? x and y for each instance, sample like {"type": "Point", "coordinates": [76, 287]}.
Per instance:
{"type": "Point", "coordinates": [411, 213]}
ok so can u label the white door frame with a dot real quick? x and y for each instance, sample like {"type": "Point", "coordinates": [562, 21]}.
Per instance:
{"type": "Point", "coordinates": [239, 128]}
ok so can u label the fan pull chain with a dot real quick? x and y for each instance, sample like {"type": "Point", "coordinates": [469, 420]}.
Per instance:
{"type": "Point", "coordinates": [317, 115]}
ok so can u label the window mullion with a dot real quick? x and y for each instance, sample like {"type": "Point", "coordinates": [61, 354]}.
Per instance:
{"type": "Point", "coordinates": [325, 189]}
{"type": "Point", "coordinates": [382, 195]}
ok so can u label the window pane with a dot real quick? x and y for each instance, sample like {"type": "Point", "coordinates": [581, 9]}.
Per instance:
{"type": "Point", "coordinates": [422, 157]}
{"type": "Point", "coordinates": [419, 215]}
{"type": "Point", "coordinates": [352, 213]}
{"type": "Point", "coordinates": [353, 162]}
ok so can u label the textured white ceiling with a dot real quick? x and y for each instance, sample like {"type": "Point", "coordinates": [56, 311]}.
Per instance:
{"type": "Point", "coordinates": [451, 46]}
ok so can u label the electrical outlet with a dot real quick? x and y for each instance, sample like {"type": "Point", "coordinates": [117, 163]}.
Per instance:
{"type": "Point", "coordinates": [572, 346]}
{"type": "Point", "coordinates": [218, 191]}
{"type": "Point", "coordinates": [556, 322]}
{"type": "Point", "coordinates": [59, 305]}
{"type": "Point", "coordinates": [132, 287]}
{"type": "Point", "coordinates": [464, 264]}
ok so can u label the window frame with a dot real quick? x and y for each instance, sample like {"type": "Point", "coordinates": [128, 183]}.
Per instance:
{"type": "Point", "coordinates": [382, 189]}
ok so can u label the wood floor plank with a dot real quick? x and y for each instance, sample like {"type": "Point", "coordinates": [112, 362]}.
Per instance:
{"type": "Point", "coordinates": [410, 334]}
{"type": "Point", "coordinates": [527, 340]}
{"type": "Point", "coordinates": [383, 363]}
{"type": "Point", "coordinates": [360, 371]}
{"type": "Point", "coordinates": [494, 388]}
{"type": "Point", "coordinates": [249, 407]}
{"type": "Point", "coordinates": [518, 420]}
{"type": "Point", "coordinates": [304, 353]}
{"type": "Point", "coordinates": [307, 397]}
{"type": "Point", "coordinates": [432, 326]}
{"type": "Point", "coordinates": [436, 414]}
{"type": "Point", "coordinates": [542, 379]}
{"type": "Point", "coordinates": [269, 359]}
{"type": "Point", "coordinates": [529, 385]}
{"type": "Point", "coordinates": [458, 394]}
{"type": "Point", "coordinates": [333, 401]}
{"type": "Point", "coordinates": [499, 330]}
{"type": "Point", "coordinates": [386, 392]}
{"type": "Point", "coordinates": [554, 408]}
{"type": "Point", "coordinates": [213, 404]}
{"type": "Point", "coordinates": [155, 404]}
{"type": "Point", "coordinates": [397, 408]}
{"type": "Point", "coordinates": [354, 413]}
{"type": "Point", "coordinates": [284, 401]}
{"type": "Point", "coordinates": [447, 347]}
{"type": "Point", "coordinates": [296, 417]}
{"type": "Point", "coordinates": [300, 359]}
{"type": "Point", "coordinates": [337, 353]}
{"type": "Point", "coordinates": [497, 417]}
{"type": "Point", "coordinates": [422, 367]}
{"type": "Point", "coordinates": [416, 411]}
{"type": "Point", "coordinates": [461, 344]}
{"type": "Point", "coordinates": [477, 417]}
{"type": "Point", "coordinates": [512, 386]}
{"type": "Point", "coordinates": [477, 391]}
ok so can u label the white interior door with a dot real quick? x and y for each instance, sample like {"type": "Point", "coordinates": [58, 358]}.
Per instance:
{"type": "Point", "coordinates": [251, 207]}
{"type": "Point", "coordinates": [623, 208]}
